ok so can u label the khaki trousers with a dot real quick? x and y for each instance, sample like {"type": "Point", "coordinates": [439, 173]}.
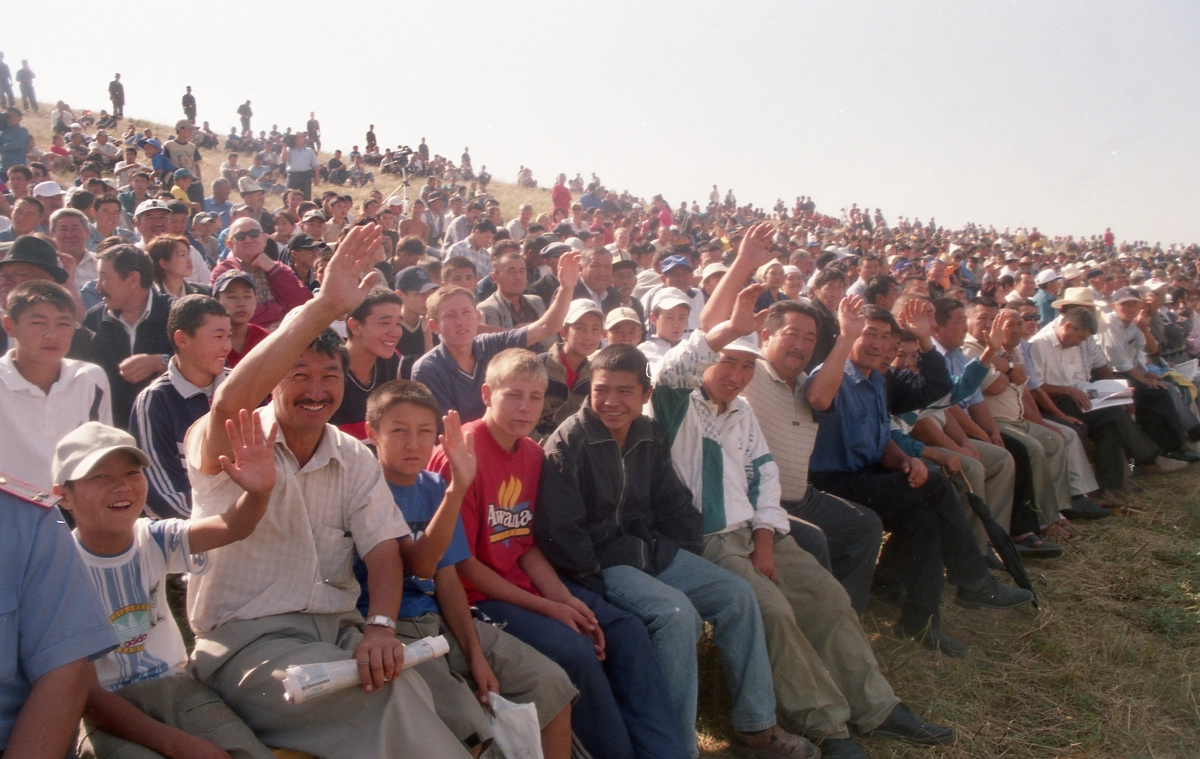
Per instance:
{"type": "Point", "coordinates": [993, 478]}
{"type": "Point", "coordinates": [824, 672]}
{"type": "Point", "coordinates": [526, 677]}
{"type": "Point", "coordinates": [1048, 460]}
{"type": "Point", "coordinates": [1079, 469]}
{"type": "Point", "coordinates": [180, 702]}
{"type": "Point", "coordinates": [245, 662]}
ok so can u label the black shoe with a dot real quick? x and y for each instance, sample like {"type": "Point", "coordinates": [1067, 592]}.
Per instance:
{"type": "Point", "coordinates": [841, 748]}
{"type": "Point", "coordinates": [934, 639]}
{"type": "Point", "coordinates": [1082, 509]}
{"type": "Point", "coordinates": [1185, 456]}
{"type": "Point", "coordinates": [992, 595]}
{"type": "Point", "coordinates": [906, 726]}
{"type": "Point", "coordinates": [1194, 433]}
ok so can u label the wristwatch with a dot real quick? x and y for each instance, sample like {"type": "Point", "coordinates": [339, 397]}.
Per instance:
{"type": "Point", "coordinates": [380, 620]}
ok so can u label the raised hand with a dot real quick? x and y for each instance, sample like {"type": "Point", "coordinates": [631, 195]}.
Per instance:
{"type": "Point", "coordinates": [850, 319]}
{"type": "Point", "coordinates": [1000, 329]}
{"type": "Point", "coordinates": [253, 464]}
{"type": "Point", "coordinates": [744, 320]}
{"type": "Point", "coordinates": [756, 245]}
{"type": "Point", "coordinates": [342, 289]}
{"type": "Point", "coordinates": [459, 448]}
{"type": "Point", "coordinates": [1143, 317]}
{"type": "Point", "coordinates": [917, 318]}
{"type": "Point", "coordinates": [569, 267]}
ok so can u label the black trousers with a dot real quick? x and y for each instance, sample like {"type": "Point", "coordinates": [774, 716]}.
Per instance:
{"type": "Point", "coordinates": [1162, 414]}
{"type": "Point", "coordinates": [1117, 438]}
{"type": "Point", "coordinates": [302, 181]}
{"type": "Point", "coordinates": [928, 532]}
{"type": "Point", "coordinates": [1026, 517]}
{"type": "Point", "coordinates": [843, 536]}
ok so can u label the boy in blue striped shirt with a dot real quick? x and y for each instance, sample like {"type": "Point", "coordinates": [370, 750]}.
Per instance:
{"type": "Point", "coordinates": [140, 694]}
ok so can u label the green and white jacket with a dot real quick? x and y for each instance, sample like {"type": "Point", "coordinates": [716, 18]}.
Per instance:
{"type": "Point", "coordinates": [722, 458]}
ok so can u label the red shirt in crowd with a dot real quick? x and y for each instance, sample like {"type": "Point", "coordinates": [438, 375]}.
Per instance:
{"type": "Point", "coordinates": [497, 512]}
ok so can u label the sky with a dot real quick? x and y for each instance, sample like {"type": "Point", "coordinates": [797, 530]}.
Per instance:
{"type": "Point", "coordinates": [1068, 116]}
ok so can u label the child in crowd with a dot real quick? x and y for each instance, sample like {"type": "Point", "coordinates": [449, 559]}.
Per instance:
{"type": "Point", "coordinates": [402, 421]}
{"type": "Point", "coordinates": [623, 326]}
{"type": "Point", "coordinates": [235, 291]}
{"type": "Point", "coordinates": [43, 394]}
{"type": "Point", "coordinates": [199, 329]}
{"type": "Point", "coordinates": [669, 316]}
{"type": "Point", "coordinates": [460, 271]}
{"type": "Point", "coordinates": [624, 709]}
{"type": "Point", "coordinates": [375, 332]}
{"type": "Point", "coordinates": [413, 285]}
{"type": "Point", "coordinates": [140, 693]}
{"type": "Point", "coordinates": [454, 370]}
{"type": "Point", "coordinates": [567, 366]}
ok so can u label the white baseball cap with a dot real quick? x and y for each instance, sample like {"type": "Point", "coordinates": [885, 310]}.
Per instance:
{"type": "Point", "coordinates": [670, 297]}
{"type": "Point", "coordinates": [581, 306]}
{"type": "Point", "coordinates": [80, 451]}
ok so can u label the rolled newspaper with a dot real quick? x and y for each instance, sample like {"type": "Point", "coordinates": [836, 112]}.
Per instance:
{"type": "Point", "coordinates": [306, 681]}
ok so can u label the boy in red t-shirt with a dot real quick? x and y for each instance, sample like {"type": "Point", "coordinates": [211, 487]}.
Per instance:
{"type": "Point", "coordinates": [624, 709]}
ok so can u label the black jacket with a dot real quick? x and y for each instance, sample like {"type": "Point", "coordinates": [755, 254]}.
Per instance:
{"type": "Point", "coordinates": [913, 391]}
{"type": "Point", "coordinates": [111, 347]}
{"type": "Point", "coordinates": [600, 506]}
{"type": "Point", "coordinates": [612, 298]}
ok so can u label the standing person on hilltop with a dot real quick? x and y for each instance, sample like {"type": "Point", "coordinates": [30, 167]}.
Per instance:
{"type": "Point", "coordinates": [302, 165]}
{"type": "Point", "coordinates": [7, 99]}
{"type": "Point", "coordinates": [423, 149]}
{"type": "Point", "coordinates": [244, 113]}
{"type": "Point", "coordinates": [116, 93]}
{"type": "Point", "coordinates": [25, 77]}
{"type": "Point", "coordinates": [560, 196]}
{"type": "Point", "coordinates": [371, 137]}
{"type": "Point", "coordinates": [313, 127]}
{"type": "Point", "coordinates": [189, 105]}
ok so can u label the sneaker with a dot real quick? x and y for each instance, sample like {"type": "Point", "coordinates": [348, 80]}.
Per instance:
{"type": "Point", "coordinates": [993, 595]}
{"type": "Point", "coordinates": [1164, 465]}
{"type": "Point", "coordinates": [906, 726]}
{"type": "Point", "coordinates": [775, 742]}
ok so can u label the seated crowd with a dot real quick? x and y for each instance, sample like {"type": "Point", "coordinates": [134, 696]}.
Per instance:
{"type": "Point", "coordinates": [564, 442]}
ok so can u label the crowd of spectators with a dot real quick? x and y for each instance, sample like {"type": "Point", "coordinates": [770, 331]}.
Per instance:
{"type": "Point", "coordinates": [564, 440]}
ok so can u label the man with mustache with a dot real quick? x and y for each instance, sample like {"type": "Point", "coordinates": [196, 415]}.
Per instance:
{"type": "Point", "coordinates": [287, 595]}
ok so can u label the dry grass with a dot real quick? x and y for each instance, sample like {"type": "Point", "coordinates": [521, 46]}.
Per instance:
{"type": "Point", "coordinates": [1108, 667]}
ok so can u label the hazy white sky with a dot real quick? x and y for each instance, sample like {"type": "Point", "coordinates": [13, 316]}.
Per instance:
{"type": "Point", "coordinates": [1071, 116]}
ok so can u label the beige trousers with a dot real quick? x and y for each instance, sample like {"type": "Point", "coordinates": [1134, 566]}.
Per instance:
{"type": "Point", "coordinates": [245, 661]}
{"type": "Point", "coordinates": [824, 671]}
{"type": "Point", "coordinates": [1049, 462]}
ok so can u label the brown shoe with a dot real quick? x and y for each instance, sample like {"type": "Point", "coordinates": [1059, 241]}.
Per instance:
{"type": "Point", "coordinates": [776, 742]}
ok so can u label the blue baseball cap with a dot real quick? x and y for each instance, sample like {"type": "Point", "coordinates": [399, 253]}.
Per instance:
{"type": "Point", "coordinates": [414, 279]}
{"type": "Point", "coordinates": [674, 262]}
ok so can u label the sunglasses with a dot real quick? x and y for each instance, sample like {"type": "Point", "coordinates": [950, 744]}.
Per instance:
{"type": "Point", "coordinates": [1029, 318]}
{"type": "Point", "coordinates": [240, 236]}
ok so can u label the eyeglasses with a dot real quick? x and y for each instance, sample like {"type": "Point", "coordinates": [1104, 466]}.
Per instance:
{"type": "Point", "coordinates": [1029, 318]}
{"type": "Point", "coordinates": [240, 236]}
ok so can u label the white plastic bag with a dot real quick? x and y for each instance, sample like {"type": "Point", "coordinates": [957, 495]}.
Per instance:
{"type": "Point", "coordinates": [515, 727]}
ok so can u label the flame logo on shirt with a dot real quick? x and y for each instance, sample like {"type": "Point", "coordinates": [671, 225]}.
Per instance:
{"type": "Point", "coordinates": [509, 517]}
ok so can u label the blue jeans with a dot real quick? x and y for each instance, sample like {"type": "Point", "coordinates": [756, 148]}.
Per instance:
{"type": "Point", "coordinates": [624, 707]}
{"type": "Point", "coordinates": [672, 605]}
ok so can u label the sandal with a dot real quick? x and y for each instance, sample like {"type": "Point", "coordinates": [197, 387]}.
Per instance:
{"type": "Point", "coordinates": [1032, 546]}
{"type": "Point", "coordinates": [1061, 530]}
{"type": "Point", "coordinates": [775, 742]}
